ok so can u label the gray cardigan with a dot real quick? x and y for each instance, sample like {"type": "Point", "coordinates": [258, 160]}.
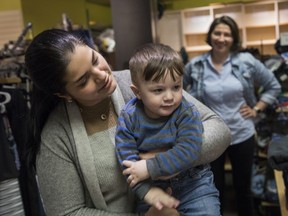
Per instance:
{"type": "Point", "coordinates": [67, 173]}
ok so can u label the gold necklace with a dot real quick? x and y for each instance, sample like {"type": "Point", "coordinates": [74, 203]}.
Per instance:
{"type": "Point", "coordinates": [103, 116]}
{"type": "Point", "coordinates": [99, 117]}
{"type": "Point", "coordinates": [98, 111]}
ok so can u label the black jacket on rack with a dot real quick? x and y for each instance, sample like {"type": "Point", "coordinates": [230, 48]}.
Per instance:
{"type": "Point", "coordinates": [7, 165]}
{"type": "Point", "coordinates": [18, 112]}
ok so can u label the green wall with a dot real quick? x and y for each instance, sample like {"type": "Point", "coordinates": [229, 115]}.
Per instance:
{"type": "Point", "coordinates": [45, 14]}
{"type": "Point", "coordinates": [99, 15]}
{"type": "Point", "coordinates": [10, 5]}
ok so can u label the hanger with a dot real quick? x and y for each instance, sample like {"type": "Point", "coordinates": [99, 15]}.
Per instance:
{"type": "Point", "coordinates": [7, 99]}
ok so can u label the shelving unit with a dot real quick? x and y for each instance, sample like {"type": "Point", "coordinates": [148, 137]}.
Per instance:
{"type": "Point", "coordinates": [195, 24]}
{"type": "Point", "coordinates": [260, 24]}
{"type": "Point", "coordinates": [165, 35]}
{"type": "Point", "coordinates": [281, 192]}
{"type": "Point", "coordinates": [283, 17]}
{"type": "Point", "coordinates": [234, 10]}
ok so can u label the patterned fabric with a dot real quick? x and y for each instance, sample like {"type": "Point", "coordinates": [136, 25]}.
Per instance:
{"type": "Point", "coordinates": [10, 198]}
{"type": "Point", "coordinates": [181, 133]}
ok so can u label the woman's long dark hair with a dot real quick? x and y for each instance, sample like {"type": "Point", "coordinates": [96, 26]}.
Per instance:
{"type": "Point", "coordinates": [46, 60]}
{"type": "Point", "coordinates": [236, 46]}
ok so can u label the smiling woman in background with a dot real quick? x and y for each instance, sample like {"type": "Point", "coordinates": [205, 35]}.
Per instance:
{"type": "Point", "coordinates": [223, 79]}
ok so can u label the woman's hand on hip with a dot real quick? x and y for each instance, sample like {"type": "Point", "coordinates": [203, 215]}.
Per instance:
{"type": "Point", "coordinates": [247, 112]}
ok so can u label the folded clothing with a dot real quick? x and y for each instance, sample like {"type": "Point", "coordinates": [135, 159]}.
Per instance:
{"type": "Point", "coordinates": [278, 152]}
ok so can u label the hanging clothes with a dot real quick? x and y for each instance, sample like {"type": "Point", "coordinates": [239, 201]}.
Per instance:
{"type": "Point", "coordinates": [11, 141]}
{"type": "Point", "coordinates": [8, 168]}
{"type": "Point", "coordinates": [11, 200]}
{"type": "Point", "coordinates": [17, 113]}
{"type": "Point", "coordinates": [10, 195]}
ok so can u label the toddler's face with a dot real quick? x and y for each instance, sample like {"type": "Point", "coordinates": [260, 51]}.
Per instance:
{"type": "Point", "coordinates": [161, 98]}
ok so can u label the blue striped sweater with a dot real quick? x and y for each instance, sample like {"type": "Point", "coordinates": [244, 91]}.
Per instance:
{"type": "Point", "coordinates": [181, 132]}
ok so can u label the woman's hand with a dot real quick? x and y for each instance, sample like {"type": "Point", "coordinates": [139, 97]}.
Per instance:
{"type": "Point", "coordinates": [159, 199]}
{"type": "Point", "coordinates": [153, 211]}
{"type": "Point", "coordinates": [248, 112]}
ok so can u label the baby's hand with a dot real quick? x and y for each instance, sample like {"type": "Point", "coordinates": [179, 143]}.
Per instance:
{"type": "Point", "coordinates": [160, 199]}
{"type": "Point", "coordinates": [137, 171]}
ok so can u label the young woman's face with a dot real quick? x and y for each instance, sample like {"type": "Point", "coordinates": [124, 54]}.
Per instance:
{"type": "Point", "coordinates": [221, 39]}
{"type": "Point", "coordinates": [160, 98]}
{"type": "Point", "coordinates": [89, 77]}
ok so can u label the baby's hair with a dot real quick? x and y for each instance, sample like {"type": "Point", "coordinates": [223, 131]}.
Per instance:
{"type": "Point", "coordinates": [154, 62]}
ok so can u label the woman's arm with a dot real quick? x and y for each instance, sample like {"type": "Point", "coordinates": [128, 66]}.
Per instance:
{"type": "Point", "coordinates": [216, 136]}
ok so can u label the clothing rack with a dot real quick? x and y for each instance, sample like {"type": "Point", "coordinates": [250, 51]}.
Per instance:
{"type": "Point", "coordinates": [11, 199]}
{"type": "Point", "coordinates": [16, 48]}
{"type": "Point", "coordinates": [4, 99]}
{"type": "Point", "coordinates": [19, 194]}
{"type": "Point", "coordinates": [13, 74]}
{"type": "Point", "coordinates": [15, 176]}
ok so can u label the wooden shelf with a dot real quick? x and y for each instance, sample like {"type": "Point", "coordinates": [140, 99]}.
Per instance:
{"type": "Point", "coordinates": [264, 49]}
{"type": "Point", "coordinates": [269, 204]}
{"type": "Point", "coordinates": [260, 42]}
{"type": "Point", "coordinates": [260, 24]}
{"type": "Point", "coordinates": [281, 192]}
{"type": "Point", "coordinates": [193, 54]}
{"type": "Point", "coordinates": [259, 14]}
{"type": "Point", "coordinates": [195, 40]}
{"type": "Point", "coordinates": [261, 34]}
{"type": "Point", "coordinates": [203, 48]}
{"type": "Point", "coordinates": [10, 80]}
{"type": "Point", "coordinates": [197, 20]}
{"type": "Point", "coordinates": [235, 11]}
{"type": "Point", "coordinates": [283, 12]}
{"type": "Point", "coordinates": [283, 28]}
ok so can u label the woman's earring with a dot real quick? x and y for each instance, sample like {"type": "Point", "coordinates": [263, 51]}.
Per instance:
{"type": "Point", "coordinates": [69, 100]}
